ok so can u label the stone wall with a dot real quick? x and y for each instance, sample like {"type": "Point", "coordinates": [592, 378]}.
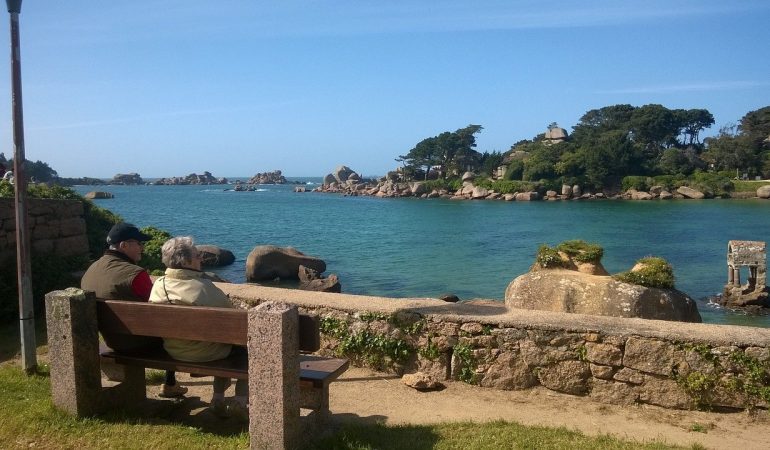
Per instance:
{"type": "Point", "coordinates": [613, 360]}
{"type": "Point", "coordinates": [56, 226]}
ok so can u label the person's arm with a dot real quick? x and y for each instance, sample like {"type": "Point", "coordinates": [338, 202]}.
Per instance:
{"type": "Point", "coordinates": [142, 285]}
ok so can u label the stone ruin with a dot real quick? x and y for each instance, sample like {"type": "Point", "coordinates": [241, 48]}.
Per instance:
{"type": "Point", "coordinates": [751, 254]}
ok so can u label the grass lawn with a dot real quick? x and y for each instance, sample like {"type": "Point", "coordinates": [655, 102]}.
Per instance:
{"type": "Point", "coordinates": [748, 186]}
{"type": "Point", "coordinates": [28, 419]}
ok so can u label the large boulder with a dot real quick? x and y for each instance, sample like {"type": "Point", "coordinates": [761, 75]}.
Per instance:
{"type": "Point", "coordinates": [570, 291]}
{"type": "Point", "coordinates": [214, 256]}
{"type": "Point", "coordinates": [329, 179]}
{"type": "Point", "coordinates": [689, 192]}
{"type": "Point", "coordinates": [268, 262]}
{"type": "Point", "coordinates": [342, 173]}
{"type": "Point", "coordinates": [764, 191]}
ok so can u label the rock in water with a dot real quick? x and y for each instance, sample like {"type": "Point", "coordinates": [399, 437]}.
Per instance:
{"type": "Point", "coordinates": [575, 292]}
{"type": "Point", "coordinates": [214, 256]}
{"type": "Point", "coordinates": [268, 262]}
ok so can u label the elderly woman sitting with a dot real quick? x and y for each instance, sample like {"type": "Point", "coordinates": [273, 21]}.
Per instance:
{"type": "Point", "coordinates": [185, 284]}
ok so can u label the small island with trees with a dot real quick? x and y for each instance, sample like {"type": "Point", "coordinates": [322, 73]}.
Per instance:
{"type": "Point", "coordinates": [621, 150]}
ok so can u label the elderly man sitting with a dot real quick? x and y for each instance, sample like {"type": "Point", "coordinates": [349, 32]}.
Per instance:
{"type": "Point", "coordinates": [185, 284]}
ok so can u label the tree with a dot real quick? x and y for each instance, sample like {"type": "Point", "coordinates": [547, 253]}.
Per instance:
{"type": "Point", "coordinates": [448, 150]}
{"type": "Point", "coordinates": [597, 121]}
{"type": "Point", "coordinates": [38, 171]}
{"type": "Point", "coordinates": [490, 162]}
{"type": "Point", "coordinates": [692, 122]}
{"type": "Point", "coordinates": [756, 125]}
{"type": "Point", "coordinates": [729, 151]}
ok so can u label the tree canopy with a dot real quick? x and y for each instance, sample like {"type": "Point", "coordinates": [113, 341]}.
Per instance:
{"type": "Point", "coordinates": [449, 152]}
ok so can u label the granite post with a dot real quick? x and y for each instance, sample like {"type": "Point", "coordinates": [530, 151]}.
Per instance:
{"type": "Point", "coordinates": [73, 346]}
{"type": "Point", "coordinates": [274, 397]}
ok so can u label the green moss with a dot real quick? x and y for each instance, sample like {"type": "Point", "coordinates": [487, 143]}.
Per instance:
{"type": "Point", "coordinates": [581, 251]}
{"type": "Point", "coordinates": [656, 272]}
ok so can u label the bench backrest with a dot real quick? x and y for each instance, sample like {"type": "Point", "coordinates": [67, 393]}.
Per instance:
{"type": "Point", "coordinates": [198, 323]}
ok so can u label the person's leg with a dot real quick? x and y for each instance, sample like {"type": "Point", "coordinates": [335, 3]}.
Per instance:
{"type": "Point", "coordinates": [170, 388]}
{"type": "Point", "coordinates": [240, 407]}
{"type": "Point", "coordinates": [218, 405]}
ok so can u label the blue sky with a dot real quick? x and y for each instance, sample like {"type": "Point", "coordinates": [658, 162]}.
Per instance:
{"type": "Point", "coordinates": [236, 87]}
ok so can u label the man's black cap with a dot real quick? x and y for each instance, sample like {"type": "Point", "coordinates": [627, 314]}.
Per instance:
{"type": "Point", "coordinates": [123, 231]}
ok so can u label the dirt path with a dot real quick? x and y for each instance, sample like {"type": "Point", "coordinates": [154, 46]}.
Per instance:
{"type": "Point", "coordinates": [367, 396]}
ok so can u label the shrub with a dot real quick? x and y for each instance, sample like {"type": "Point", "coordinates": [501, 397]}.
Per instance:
{"type": "Point", "coordinates": [636, 182]}
{"type": "Point", "coordinates": [450, 184]}
{"type": "Point", "coordinates": [151, 257]}
{"type": "Point", "coordinates": [581, 251]}
{"type": "Point", "coordinates": [654, 272]}
{"type": "Point", "coordinates": [670, 182]}
{"type": "Point", "coordinates": [712, 183]}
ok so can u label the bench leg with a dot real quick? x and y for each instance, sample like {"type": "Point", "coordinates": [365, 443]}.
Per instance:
{"type": "Point", "coordinates": [132, 390]}
{"type": "Point", "coordinates": [317, 399]}
{"type": "Point", "coordinates": [73, 346]}
{"type": "Point", "coordinates": [274, 416]}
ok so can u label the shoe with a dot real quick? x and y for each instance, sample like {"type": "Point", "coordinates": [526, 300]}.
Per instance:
{"type": "Point", "coordinates": [172, 390]}
{"type": "Point", "coordinates": [219, 409]}
{"type": "Point", "coordinates": [239, 412]}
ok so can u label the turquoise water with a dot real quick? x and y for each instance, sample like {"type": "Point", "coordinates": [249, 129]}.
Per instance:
{"type": "Point", "coordinates": [423, 248]}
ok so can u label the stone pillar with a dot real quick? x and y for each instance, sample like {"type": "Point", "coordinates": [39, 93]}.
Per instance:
{"type": "Point", "coordinates": [73, 347]}
{"type": "Point", "coordinates": [737, 276]}
{"type": "Point", "coordinates": [274, 397]}
{"type": "Point", "coordinates": [730, 275]}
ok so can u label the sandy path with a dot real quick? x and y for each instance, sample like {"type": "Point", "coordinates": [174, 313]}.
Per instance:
{"type": "Point", "coordinates": [365, 395]}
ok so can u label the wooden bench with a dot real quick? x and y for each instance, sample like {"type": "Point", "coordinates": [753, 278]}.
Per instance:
{"type": "Point", "coordinates": [228, 326]}
{"type": "Point", "coordinates": [281, 380]}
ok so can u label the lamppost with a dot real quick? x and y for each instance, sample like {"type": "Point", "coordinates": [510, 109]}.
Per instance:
{"type": "Point", "coordinates": [26, 308]}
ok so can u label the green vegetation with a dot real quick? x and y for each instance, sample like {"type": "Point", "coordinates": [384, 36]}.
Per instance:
{"type": "Point", "coordinates": [365, 346]}
{"type": "Point", "coordinates": [748, 186]}
{"type": "Point", "coordinates": [610, 147]}
{"type": "Point", "coordinates": [743, 375]}
{"type": "Point", "coordinates": [51, 272]}
{"type": "Point", "coordinates": [548, 258]}
{"type": "Point", "coordinates": [467, 363]}
{"type": "Point", "coordinates": [654, 272]}
{"type": "Point", "coordinates": [470, 435]}
{"type": "Point", "coordinates": [581, 251]}
{"type": "Point", "coordinates": [449, 184]}
{"type": "Point", "coordinates": [578, 250]}
{"type": "Point", "coordinates": [506, 186]}
{"type": "Point", "coordinates": [151, 257]}
{"type": "Point", "coordinates": [29, 420]}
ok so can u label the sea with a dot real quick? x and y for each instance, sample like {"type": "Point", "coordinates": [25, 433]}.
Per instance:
{"type": "Point", "coordinates": [409, 247]}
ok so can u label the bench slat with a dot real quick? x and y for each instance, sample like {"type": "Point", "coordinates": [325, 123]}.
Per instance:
{"type": "Point", "coordinates": [200, 323]}
{"type": "Point", "coordinates": [314, 370]}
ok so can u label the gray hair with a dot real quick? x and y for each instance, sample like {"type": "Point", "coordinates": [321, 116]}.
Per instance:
{"type": "Point", "coordinates": [178, 252]}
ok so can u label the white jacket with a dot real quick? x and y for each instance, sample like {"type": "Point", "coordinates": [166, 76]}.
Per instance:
{"type": "Point", "coordinates": [190, 288]}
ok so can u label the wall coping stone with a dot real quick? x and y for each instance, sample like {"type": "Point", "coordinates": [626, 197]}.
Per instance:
{"type": "Point", "coordinates": [495, 313]}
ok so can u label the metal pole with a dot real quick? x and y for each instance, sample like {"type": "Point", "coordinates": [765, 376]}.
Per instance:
{"type": "Point", "coordinates": [26, 308]}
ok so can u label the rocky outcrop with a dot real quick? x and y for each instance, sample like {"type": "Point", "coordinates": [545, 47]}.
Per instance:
{"type": "Point", "coordinates": [764, 192]}
{"type": "Point", "coordinates": [268, 262]}
{"type": "Point", "coordinates": [127, 179]}
{"type": "Point", "coordinates": [214, 256]}
{"type": "Point", "coordinates": [202, 179]}
{"type": "Point", "coordinates": [274, 177]}
{"type": "Point", "coordinates": [342, 173]}
{"type": "Point", "coordinates": [311, 280]}
{"type": "Point", "coordinates": [98, 195]}
{"type": "Point", "coordinates": [575, 292]}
